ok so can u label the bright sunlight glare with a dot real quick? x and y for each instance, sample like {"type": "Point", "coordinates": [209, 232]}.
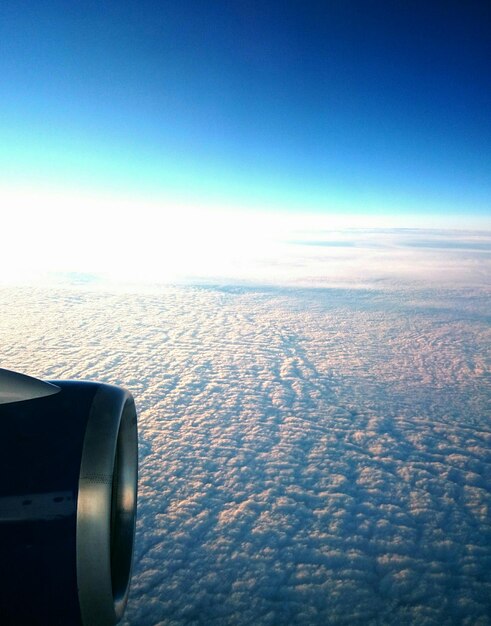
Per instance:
{"type": "Point", "coordinates": [145, 239]}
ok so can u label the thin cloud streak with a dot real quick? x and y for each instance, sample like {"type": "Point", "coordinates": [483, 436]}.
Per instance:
{"type": "Point", "coordinates": [220, 247]}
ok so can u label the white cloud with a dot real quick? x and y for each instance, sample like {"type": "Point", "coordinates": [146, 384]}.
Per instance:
{"type": "Point", "coordinates": [307, 456]}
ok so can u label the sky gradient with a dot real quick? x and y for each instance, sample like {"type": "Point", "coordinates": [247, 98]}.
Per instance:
{"type": "Point", "coordinates": [311, 180]}
{"type": "Point", "coordinates": [328, 108]}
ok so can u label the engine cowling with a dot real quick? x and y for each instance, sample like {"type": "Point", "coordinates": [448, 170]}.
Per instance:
{"type": "Point", "coordinates": [68, 489]}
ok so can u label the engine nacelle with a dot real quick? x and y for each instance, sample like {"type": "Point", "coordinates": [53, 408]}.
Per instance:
{"type": "Point", "coordinates": [68, 488]}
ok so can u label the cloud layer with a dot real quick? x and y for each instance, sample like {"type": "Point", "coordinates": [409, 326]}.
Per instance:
{"type": "Point", "coordinates": [307, 456]}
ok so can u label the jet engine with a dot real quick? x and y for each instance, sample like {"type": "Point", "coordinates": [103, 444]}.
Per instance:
{"type": "Point", "coordinates": [68, 489]}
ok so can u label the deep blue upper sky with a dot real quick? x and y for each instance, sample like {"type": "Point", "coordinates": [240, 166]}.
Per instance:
{"type": "Point", "coordinates": [328, 106]}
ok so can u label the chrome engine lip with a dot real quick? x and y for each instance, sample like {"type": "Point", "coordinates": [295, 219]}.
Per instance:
{"type": "Point", "coordinates": [111, 432]}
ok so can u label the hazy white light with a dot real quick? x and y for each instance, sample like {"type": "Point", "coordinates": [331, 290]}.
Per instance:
{"type": "Point", "coordinates": [145, 239]}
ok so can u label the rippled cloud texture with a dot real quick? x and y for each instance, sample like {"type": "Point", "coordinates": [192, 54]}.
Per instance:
{"type": "Point", "coordinates": [308, 456]}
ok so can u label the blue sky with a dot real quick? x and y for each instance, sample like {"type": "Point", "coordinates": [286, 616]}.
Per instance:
{"type": "Point", "coordinates": [343, 107]}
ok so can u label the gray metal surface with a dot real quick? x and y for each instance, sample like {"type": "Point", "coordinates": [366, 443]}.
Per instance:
{"type": "Point", "coordinates": [106, 510]}
{"type": "Point", "coordinates": [15, 387]}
